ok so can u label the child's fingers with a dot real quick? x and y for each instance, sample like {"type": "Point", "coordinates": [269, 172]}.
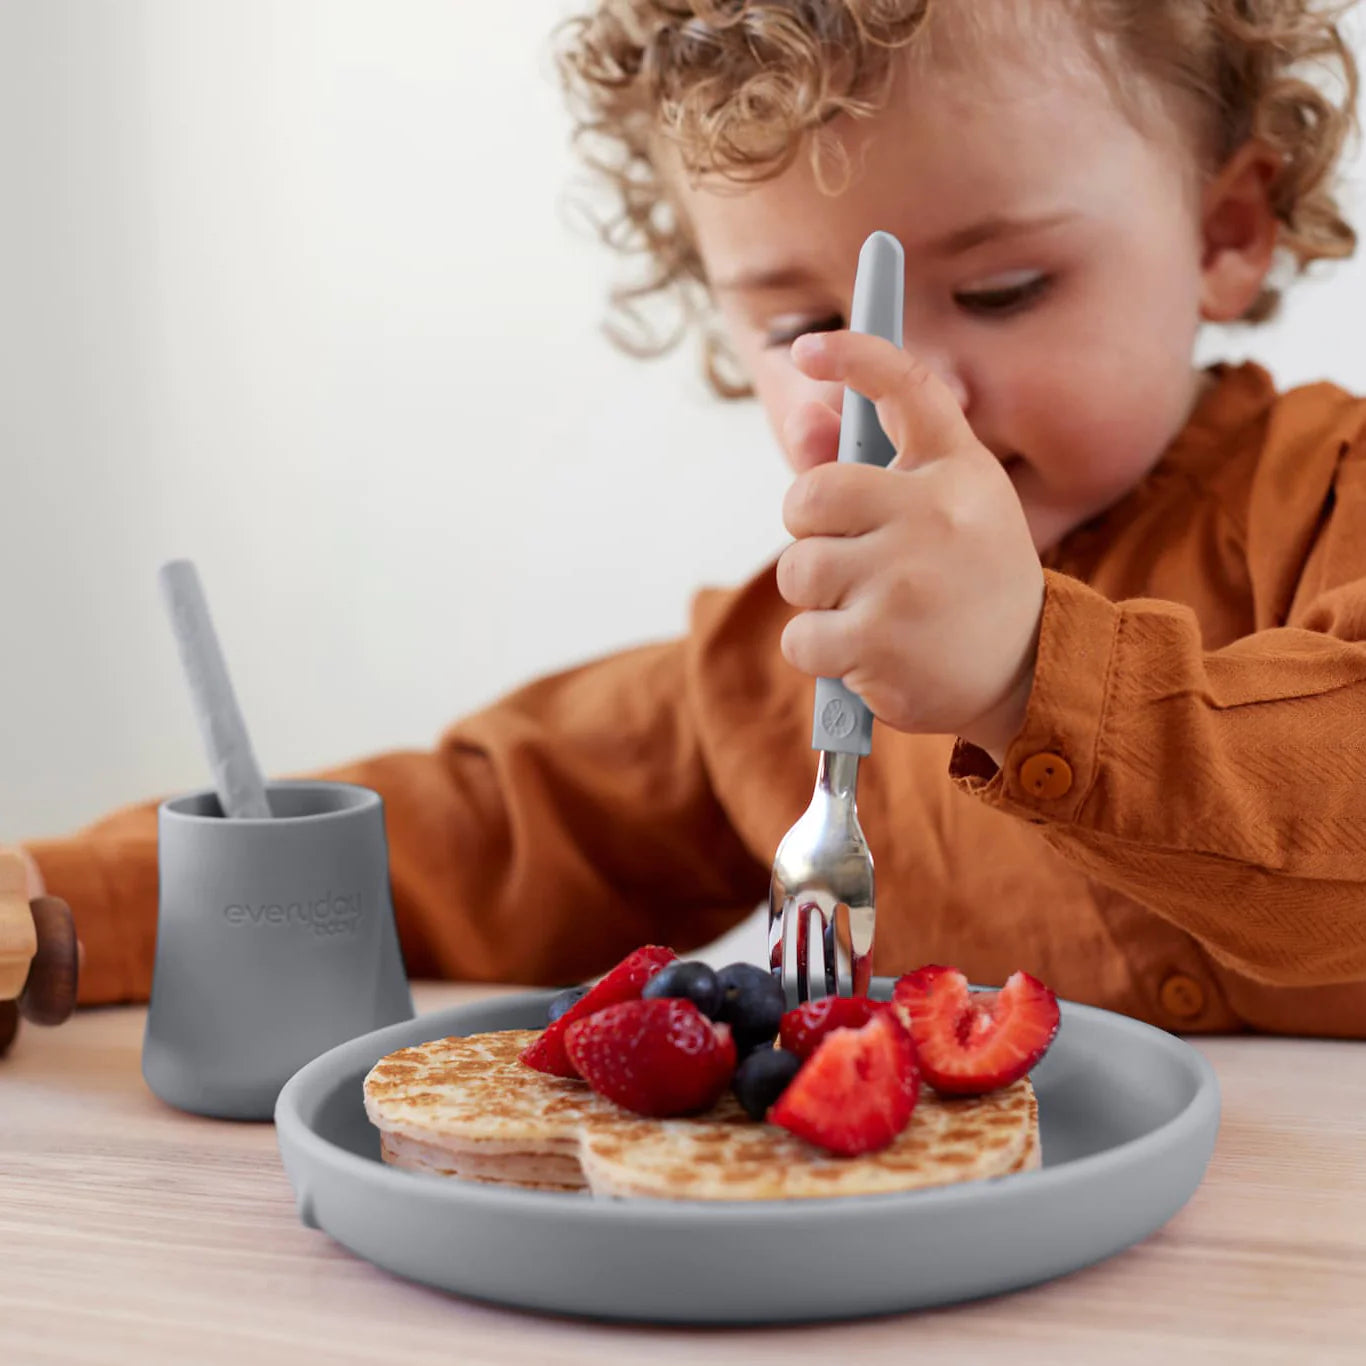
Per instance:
{"type": "Point", "coordinates": [820, 643]}
{"type": "Point", "coordinates": [918, 412]}
{"type": "Point", "coordinates": [836, 500]}
{"type": "Point", "coordinates": [811, 435]}
{"type": "Point", "coordinates": [819, 572]}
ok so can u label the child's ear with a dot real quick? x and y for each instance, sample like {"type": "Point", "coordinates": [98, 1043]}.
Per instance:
{"type": "Point", "coordinates": [1240, 232]}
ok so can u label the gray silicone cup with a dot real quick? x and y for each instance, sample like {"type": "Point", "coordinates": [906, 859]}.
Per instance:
{"type": "Point", "coordinates": [276, 941]}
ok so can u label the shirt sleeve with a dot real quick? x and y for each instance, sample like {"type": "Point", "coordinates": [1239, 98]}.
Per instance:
{"type": "Point", "coordinates": [1224, 789]}
{"type": "Point", "coordinates": [540, 841]}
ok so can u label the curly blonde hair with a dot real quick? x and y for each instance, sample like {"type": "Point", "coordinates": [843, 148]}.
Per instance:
{"type": "Point", "coordinates": [739, 87]}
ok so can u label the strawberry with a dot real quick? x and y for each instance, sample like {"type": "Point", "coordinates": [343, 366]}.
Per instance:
{"type": "Point", "coordinates": [973, 1042]}
{"type": "Point", "coordinates": [658, 1058]}
{"type": "Point", "coordinates": [546, 1052]}
{"type": "Point", "coordinates": [803, 1028]}
{"type": "Point", "coordinates": [856, 1092]}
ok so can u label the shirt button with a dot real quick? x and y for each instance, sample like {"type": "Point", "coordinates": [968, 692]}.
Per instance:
{"type": "Point", "coordinates": [1182, 996]}
{"type": "Point", "coordinates": [1046, 775]}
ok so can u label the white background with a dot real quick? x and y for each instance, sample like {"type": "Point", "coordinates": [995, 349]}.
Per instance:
{"type": "Point", "coordinates": [286, 287]}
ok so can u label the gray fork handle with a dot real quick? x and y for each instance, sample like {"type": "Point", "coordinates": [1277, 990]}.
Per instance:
{"type": "Point", "coordinates": [841, 722]}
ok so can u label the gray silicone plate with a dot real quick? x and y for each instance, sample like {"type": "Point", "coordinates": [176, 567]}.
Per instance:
{"type": "Point", "coordinates": [1128, 1116]}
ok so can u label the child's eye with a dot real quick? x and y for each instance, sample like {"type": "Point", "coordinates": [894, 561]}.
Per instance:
{"type": "Point", "coordinates": [1010, 294]}
{"type": "Point", "coordinates": [785, 331]}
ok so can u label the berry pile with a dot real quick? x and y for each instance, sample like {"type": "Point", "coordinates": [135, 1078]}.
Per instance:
{"type": "Point", "coordinates": [664, 1037]}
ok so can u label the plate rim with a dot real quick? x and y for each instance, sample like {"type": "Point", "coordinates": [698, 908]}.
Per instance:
{"type": "Point", "coordinates": [290, 1126]}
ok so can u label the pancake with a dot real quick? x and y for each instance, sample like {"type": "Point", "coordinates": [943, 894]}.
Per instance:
{"type": "Point", "coordinates": [467, 1107]}
{"type": "Point", "coordinates": [726, 1156]}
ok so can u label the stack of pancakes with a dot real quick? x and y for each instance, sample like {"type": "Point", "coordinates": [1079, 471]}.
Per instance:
{"type": "Point", "coordinates": [468, 1107]}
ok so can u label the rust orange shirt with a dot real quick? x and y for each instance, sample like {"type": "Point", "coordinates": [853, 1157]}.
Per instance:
{"type": "Point", "coordinates": [1178, 833]}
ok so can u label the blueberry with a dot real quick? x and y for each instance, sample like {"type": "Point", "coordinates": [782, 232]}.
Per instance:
{"type": "Point", "coordinates": [694, 982]}
{"type": "Point", "coordinates": [752, 1003]}
{"type": "Point", "coordinates": [559, 1004]}
{"type": "Point", "coordinates": [762, 1078]}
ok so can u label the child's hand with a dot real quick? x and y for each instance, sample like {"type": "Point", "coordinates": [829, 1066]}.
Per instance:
{"type": "Point", "coordinates": [922, 580]}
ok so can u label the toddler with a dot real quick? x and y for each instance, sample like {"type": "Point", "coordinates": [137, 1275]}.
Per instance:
{"type": "Point", "coordinates": [1109, 608]}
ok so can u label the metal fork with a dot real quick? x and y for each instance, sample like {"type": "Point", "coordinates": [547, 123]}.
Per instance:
{"type": "Point", "coordinates": [823, 867]}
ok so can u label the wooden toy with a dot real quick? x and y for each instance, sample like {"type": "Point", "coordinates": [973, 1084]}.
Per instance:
{"type": "Point", "coordinates": [39, 958]}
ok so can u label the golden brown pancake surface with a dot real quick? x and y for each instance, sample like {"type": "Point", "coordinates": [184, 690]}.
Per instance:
{"type": "Point", "coordinates": [466, 1106]}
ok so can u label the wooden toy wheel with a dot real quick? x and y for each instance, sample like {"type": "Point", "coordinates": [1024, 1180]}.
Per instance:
{"type": "Point", "coordinates": [49, 995]}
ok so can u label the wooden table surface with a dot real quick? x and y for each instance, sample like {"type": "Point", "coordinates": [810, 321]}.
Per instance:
{"type": "Point", "coordinates": [136, 1234]}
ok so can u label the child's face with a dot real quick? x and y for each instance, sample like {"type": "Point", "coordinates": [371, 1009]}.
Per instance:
{"type": "Point", "coordinates": [1053, 274]}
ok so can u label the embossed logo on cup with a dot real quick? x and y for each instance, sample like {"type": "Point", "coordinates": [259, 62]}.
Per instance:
{"type": "Point", "coordinates": [836, 718]}
{"type": "Point", "coordinates": [331, 913]}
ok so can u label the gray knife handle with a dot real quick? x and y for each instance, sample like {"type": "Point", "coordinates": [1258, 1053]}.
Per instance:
{"type": "Point", "coordinates": [840, 722]}
{"type": "Point", "coordinates": [236, 778]}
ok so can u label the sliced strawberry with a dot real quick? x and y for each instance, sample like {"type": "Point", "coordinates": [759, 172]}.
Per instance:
{"type": "Point", "coordinates": [856, 1092]}
{"type": "Point", "coordinates": [971, 1042]}
{"type": "Point", "coordinates": [624, 983]}
{"type": "Point", "coordinates": [658, 1058]}
{"type": "Point", "coordinates": [803, 1028]}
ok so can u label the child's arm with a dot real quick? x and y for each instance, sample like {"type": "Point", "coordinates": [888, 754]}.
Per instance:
{"type": "Point", "coordinates": [1225, 789]}
{"type": "Point", "coordinates": [545, 837]}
